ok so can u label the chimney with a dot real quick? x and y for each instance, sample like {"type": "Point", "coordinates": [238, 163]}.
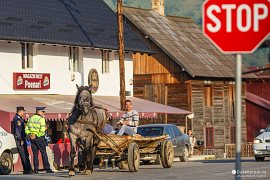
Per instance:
{"type": "Point", "coordinates": [158, 6]}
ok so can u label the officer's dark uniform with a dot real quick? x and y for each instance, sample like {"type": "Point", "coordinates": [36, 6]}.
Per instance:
{"type": "Point", "coordinates": [35, 129]}
{"type": "Point", "coordinates": [19, 134]}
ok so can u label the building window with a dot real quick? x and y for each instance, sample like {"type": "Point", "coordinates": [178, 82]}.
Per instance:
{"type": "Point", "coordinates": [27, 55]}
{"type": "Point", "coordinates": [208, 96]}
{"type": "Point", "coordinates": [73, 55]}
{"type": "Point", "coordinates": [105, 61]}
{"type": "Point", "coordinates": [209, 134]}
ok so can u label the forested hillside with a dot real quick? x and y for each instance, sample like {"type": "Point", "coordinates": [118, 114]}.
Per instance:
{"type": "Point", "coordinates": [192, 8]}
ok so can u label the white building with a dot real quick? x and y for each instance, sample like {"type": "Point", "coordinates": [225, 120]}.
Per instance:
{"type": "Point", "coordinates": [67, 66]}
{"type": "Point", "coordinates": [62, 41]}
{"type": "Point", "coordinates": [47, 47]}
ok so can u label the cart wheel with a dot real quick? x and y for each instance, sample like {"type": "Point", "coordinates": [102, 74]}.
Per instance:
{"type": "Point", "coordinates": [166, 154]}
{"type": "Point", "coordinates": [122, 165]}
{"type": "Point", "coordinates": [133, 157]}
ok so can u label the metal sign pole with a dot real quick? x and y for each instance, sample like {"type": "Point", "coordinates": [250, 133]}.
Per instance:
{"type": "Point", "coordinates": [238, 110]}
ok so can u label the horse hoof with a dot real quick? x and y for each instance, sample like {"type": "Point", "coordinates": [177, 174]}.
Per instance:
{"type": "Point", "coordinates": [71, 173]}
{"type": "Point", "coordinates": [87, 172]}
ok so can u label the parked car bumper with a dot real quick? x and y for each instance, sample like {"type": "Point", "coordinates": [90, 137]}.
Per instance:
{"type": "Point", "coordinates": [148, 157]}
{"type": "Point", "coordinates": [261, 149]}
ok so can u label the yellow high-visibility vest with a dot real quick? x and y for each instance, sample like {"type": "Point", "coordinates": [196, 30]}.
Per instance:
{"type": "Point", "coordinates": [36, 125]}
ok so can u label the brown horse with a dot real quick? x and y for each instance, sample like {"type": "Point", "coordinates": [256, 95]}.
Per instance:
{"type": "Point", "coordinates": [85, 118]}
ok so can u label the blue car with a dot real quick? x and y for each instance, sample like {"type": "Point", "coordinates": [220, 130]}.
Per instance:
{"type": "Point", "coordinates": [180, 140]}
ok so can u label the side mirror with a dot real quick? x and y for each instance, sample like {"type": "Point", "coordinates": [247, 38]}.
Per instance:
{"type": "Point", "coordinates": [261, 130]}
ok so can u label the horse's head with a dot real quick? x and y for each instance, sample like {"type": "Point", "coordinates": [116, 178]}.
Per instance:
{"type": "Point", "coordinates": [84, 98]}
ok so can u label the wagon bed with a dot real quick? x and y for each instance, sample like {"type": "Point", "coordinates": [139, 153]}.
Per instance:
{"type": "Point", "coordinates": [122, 142]}
{"type": "Point", "coordinates": [126, 150]}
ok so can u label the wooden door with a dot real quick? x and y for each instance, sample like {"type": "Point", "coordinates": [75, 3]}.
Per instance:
{"type": "Point", "coordinates": [159, 94]}
{"type": "Point", "coordinates": [209, 134]}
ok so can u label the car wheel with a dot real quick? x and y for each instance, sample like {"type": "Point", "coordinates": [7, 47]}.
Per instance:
{"type": "Point", "coordinates": [259, 158]}
{"type": "Point", "coordinates": [166, 154]}
{"type": "Point", "coordinates": [5, 164]}
{"type": "Point", "coordinates": [185, 156]}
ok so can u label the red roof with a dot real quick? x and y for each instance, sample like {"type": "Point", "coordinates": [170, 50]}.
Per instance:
{"type": "Point", "coordinates": [258, 100]}
{"type": "Point", "coordinates": [59, 106]}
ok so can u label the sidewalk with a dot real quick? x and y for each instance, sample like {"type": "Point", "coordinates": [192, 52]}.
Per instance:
{"type": "Point", "coordinates": [198, 157]}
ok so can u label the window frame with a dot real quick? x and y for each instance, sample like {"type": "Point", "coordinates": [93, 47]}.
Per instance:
{"type": "Point", "coordinates": [105, 61]}
{"type": "Point", "coordinates": [176, 131]}
{"type": "Point", "coordinates": [74, 59]}
{"type": "Point", "coordinates": [27, 51]}
{"type": "Point", "coordinates": [170, 130]}
{"type": "Point", "coordinates": [208, 95]}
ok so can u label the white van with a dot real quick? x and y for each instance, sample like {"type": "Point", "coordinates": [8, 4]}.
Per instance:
{"type": "Point", "coordinates": [8, 152]}
{"type": "Point", "coordinates": [261, 145]}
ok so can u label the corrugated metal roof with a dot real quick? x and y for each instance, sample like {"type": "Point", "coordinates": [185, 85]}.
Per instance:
{"type": "Point", "coordinates": [86, 23]}
{"type": "Point", "coordinates": [182, 40]}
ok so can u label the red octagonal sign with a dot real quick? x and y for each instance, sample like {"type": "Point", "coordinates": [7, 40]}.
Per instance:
{"type": "Point", "coordinates": [236, 26]}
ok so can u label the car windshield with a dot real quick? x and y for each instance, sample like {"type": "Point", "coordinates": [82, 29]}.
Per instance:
{"type": "Point", "coordinates": [267, 129]}
{"type": "Point", "coordinates": [150, 131]}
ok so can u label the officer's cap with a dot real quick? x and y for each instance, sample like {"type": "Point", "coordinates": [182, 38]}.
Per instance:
{"type": "Point", "coordinates": [40, 108]}
{"type": "Point", "coordinates": [20, 108]}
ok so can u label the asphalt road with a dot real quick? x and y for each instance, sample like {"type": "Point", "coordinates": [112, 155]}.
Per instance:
{"type": "Point", "coordinates": [206, 169]}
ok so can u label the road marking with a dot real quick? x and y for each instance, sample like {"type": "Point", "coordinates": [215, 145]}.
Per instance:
{"type": "Point", "coordinates": [230, 172]}
{"type": "Point", "coordinates": [217, 174]}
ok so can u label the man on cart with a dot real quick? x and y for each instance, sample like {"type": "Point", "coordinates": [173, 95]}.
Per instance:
{"type": "Point", "coordinates": [129, 120]}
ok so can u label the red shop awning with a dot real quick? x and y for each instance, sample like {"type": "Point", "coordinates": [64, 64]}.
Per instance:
{"type": "Point", "coordinates": [58, 107]}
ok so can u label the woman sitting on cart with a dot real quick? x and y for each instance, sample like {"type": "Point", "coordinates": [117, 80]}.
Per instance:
{"type": "Point", "coordinates": [129, 120]}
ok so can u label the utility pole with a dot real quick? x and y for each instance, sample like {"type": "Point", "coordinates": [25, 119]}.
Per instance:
{"type": "Point", "coordinates": [121, 54]}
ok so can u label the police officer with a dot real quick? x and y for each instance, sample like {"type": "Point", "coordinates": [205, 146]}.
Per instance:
{"type": "Point", "coordinates": [35, 130]}
{"type": "Point", "coordinates": [20, 139]}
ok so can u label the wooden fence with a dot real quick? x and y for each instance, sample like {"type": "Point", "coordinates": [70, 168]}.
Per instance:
{"type": "Point", "coordinates": [246, 150]}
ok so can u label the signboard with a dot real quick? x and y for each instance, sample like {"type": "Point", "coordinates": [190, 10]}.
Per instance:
{"type": "Point", "coordinates": [27, 81]}
{"type": "Point", "coordinates": [93, 80]}
{"type": "Point", "coordinates": [236, 26]}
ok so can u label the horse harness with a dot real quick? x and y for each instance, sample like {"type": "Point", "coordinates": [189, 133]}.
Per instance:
{"type": "Point", "coordinates": [92, 109]}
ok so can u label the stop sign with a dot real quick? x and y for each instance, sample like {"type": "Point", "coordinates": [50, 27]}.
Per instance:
{"type": "Point", "coordinates": [236, 26]}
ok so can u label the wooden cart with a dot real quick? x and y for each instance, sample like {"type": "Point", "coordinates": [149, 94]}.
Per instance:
{"type": "Point", "coordinates": [126, 150]}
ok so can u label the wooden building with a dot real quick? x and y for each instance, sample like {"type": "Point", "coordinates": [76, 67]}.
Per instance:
{"type": "Point", "coordinates": [258, 98]}
{"type": "Point", "coordinates": [187, 72]}
{"type": "Point", "coordinates": [258, 102]}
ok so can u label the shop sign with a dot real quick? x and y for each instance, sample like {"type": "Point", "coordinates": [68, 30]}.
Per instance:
{"type": "Point", "coordinates": [25, 81]}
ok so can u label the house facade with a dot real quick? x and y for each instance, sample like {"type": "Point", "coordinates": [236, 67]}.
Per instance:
{"type": "Point", "coordinates": [65, 69]}
{"type": "Point", "coordinates": [187, 72]}
{"type": "Point", "coordinates": [45, 52]}
{"type": "Point", "coordinates": [258, 102]}
{"type": "Point", "coordinates": [73, 43]}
